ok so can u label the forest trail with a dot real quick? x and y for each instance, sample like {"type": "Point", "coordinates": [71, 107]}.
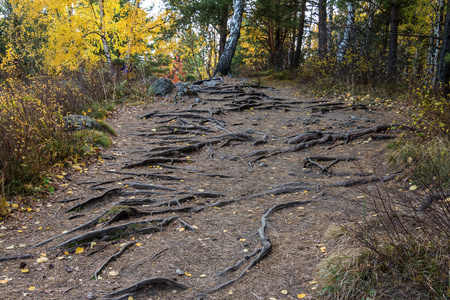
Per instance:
{"type": "Point", "coordinates": [224, 196]}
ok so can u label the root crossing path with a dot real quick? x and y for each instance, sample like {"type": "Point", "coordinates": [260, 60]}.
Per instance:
{"type": "Point", "coordinates": [222, 196]}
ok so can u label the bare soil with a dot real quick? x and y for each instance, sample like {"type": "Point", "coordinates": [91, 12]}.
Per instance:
{"type": "Point", "coordinates": [198, 210]}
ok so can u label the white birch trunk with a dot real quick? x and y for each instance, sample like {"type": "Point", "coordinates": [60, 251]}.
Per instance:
{"type": "Point", "coordinates": [347, 31]}
{"type": "Point", "coordinates": [224, 64]}
{"type": "Point", "coordinates": [103, 38]}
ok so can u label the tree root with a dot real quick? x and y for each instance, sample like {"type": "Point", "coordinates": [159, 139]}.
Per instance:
{"type": "Point", "coordinates": [115, 256]}
{"type": "Point", "coordinates": [147, 283]}
{"type": "Point", "coordinates": [260, 253]}
{"type": "Point", "coordinates": [93, 200]}
{"type": "Point", "coordinates": [16, 257]}
{"type": "Point", "coordinates": [436, 196]}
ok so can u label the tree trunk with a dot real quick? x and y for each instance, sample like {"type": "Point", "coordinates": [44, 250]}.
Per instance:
{"type": "Point", "coordinates": [329, 28]}
{"type": "Point", "coordinates": [224, 64]}
{"type": "Point", "coordinates": [393, 40]}
{"type": "Point", "coordinates": [347, 31]}
{"type": "Point", "coordinates": [443, 71]}
{"type": "Point", "coordinates": [103, 38]}
{"type": "Point", "coordinates": [322, 28]}
{"type": "Point", "coordinates": [223, 32]}
{"type": "Point", "coordinates": [433, 48]}
{"type": "Point", "coordinates": [301, 27]}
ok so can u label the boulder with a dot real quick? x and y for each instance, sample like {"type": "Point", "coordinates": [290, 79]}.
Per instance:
{"type": "Point", "coordinates": [185, 89]}
{"type": "Point", "coordinates": [80, 122]}
{"type": "Point", "coordinates": [161, 87]}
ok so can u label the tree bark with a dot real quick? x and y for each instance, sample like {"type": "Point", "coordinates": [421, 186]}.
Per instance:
{"type": "Point", "coordinates": [443, 71]}
{"type": "Point", "coordinates": [103, 38]}
{"type": "Point", "coordinates": [393, 40]}
{"type": "Point", "coordinates": [433, 48]}
{"type": "Point", "coordinates": [223, 32]}
{"type": "Point", "coordinates": [301, 26]}
{"type": "Point", "coordinates": [322, 28]}
{"type": "Point", "coordinates": [224, 64]}
{"type": "Point", "coordinates": [347, 32]}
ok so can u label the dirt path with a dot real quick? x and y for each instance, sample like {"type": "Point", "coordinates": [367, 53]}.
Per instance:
{"type": "Point", "coordinates": [220, 197]}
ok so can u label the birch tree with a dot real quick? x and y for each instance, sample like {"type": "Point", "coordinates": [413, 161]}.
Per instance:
{"type": "Point", "coordinates": [224, 64]}
{"type": "Point", "coordinates": [347, 31]}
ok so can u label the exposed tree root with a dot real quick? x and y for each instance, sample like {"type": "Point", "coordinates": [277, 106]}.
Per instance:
{"type": "Point", "coordinates": [154, 161]}
{"type": "Point", "coordinates": [260, 253]}
{"type": "Point", "coordinates": [334, 160]}
{"type": "Point", "coordinates": [93, 200]}
{"type": "Point", "coordinates": [147, 283]}
{"type": "Point", "coordinates": [16, 257]}
{"type": "Point", "coordinates": [435, 196]}
{"type": "Point", "coordinates": [113, 257]}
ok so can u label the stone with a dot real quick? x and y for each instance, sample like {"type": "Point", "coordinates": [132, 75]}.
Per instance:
{"type": "Point", "coordinates": [80, 122]}
{"type": "Point", "coordinates": [161, 87]}
{"type": "Point", "coordinates": [185, 89]}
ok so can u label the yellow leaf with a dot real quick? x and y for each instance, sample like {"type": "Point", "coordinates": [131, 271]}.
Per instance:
{"type": "Point", "coordinates": [130, 298]}
{"type": "Point", "coordinates": [79, 250]}
{"type": "Point", "coordinates": [413, 188]}
{"type": "Point", "coordinates": [313, 282]}
{"type": "Point", "coordinates": [301, 296]}
{"type": "Point", "coordinates": [15, 205]}
{"type": "Point", "coordinates": [242, 240]}
{"type": "Point", "coordinates": [187, 274]}
{"type": "Point", "coordinates": [59, 176]}
{"type": "Point", "coordinates": [31, 288]}
{"type": "Point", "coordinates": [42, 259]}
{"type": "Point", "coordinates": [3, 281]}
{"type": "Point", "coordinates": [66, 252]}
{"type": "Point", "coordinates": [93, 244]}
{"type": "Point", "coordinates": [113, 273]}
{"type": "Point", "coordinates": [24, 270]}
{"type": "Point", "coordinates": [138, 244]}
{"type": "Point", "coordinates": [284, 292]}
{"type": "Point", "coordinates": [203, 275]}
{"type": "Point", "coordinates": [181, 229]}
{"type": "Point", "coordinates": [323, 249]}
{"type": "Point", "coordinates": [29, 209]}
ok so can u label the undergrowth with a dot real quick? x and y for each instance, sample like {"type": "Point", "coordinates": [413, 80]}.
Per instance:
{"type": "Point", "coordinates": [32, 133]}
{"type": "Point", "coordinates": [403, 253]}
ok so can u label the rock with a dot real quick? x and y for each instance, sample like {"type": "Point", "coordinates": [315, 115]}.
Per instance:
{"type": "Point", "coordinates": [262, 165]}
{"type": "Point", "coordinates": [185, 89]}
{"type": "Point", "coordinates": [161, 87]}
{"type": "Point", "coordinates": [91, 295]}
{"type": "Point", "coordinates": [80, 122]}
{"type": "Point", "coordinates": [179, 272]}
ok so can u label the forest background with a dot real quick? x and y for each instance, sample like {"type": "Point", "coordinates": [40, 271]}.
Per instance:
{"type": "Point", "coordinates": [86, 56]}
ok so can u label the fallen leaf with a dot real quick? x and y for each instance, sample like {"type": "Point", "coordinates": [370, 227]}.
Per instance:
{"type": "Point", "coordinates": [79, 250]}
{"type": "Point", "coordinates": [187, 274]}
{"type": "Point", "coordinates": [59, 176]}
{"type": "Point", "coordinates": [138, 244]}
{"type": "Point", "coordinates": [3, 281]}
{"type": "Point", "coordinates": [284, 292]}
{"type": "Point", "coordinates": [113, 273]}
{"type": "Point", "coordinates": [203, 275]}
{"type": "Point", "coordinates": [31, 288]}
{"type": "Point", "coordinates": [130, 298]}
{"type": "Point", "coordinates": [182, 229]}
{"type": "Point", "coordinates": [195, 226]}
{"type": "Point", "coordinates": [24, 270]}
{"type": "Point", "coordinates": [323, 249]}
{"type": "Point", "coordinates": [10, 247]}
{"type": "Point", "coordinates": [413, 188]}
{"type": "Point", "coordinates": [301, 296]}
{"type": "Point", "coordinates": [42, 259]}
{"type": "Point", "coordinates": [313, 282]}
{"type": "Point", "coordinates": [242, 240]}
{"type": "Point", "coordinates": [66, 252]}
{"type": "Point", "coordinates": [93, 244]}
